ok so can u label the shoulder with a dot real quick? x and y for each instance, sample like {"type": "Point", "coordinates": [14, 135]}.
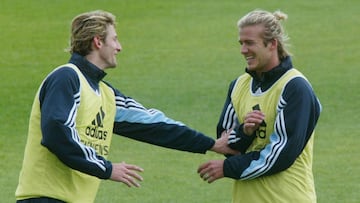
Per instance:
{"type": "Point", "coordinates": [62, 73]}
{"type": "Point", "coordinates": [61, 77]}
{"type": "Point", "coordinates": [232, 84]}
{"type": "Point", "coordinates": [298, 86]}
{"type": "Point", "coordinates": [299, 83]}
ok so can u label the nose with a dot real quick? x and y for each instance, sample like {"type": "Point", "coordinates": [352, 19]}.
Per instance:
{"type": "Point", "coordinates": [243, 49]}
{"type": "Point", "coordinates": [118, 47]}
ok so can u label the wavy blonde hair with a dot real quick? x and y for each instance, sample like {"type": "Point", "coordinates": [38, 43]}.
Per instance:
{"type": "Point", "coordinates": [273, 28]}
{"type": "Point", "coordinates": [85, 27]}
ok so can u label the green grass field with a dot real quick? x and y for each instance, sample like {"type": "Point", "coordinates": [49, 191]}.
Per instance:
{"type": "Point", "coordinates": [179, 56]}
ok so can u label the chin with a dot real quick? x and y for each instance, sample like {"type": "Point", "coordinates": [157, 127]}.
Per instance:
{"type": "Point", "coordinates": [113, 65]}
{"type": "Point", "coordinates": [250, 68]}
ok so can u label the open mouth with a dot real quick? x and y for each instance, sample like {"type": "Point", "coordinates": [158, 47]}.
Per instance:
{"type": "Point", "coordinates": [249, 58]}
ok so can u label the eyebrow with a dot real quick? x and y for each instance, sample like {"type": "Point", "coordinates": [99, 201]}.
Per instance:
{"type": "Point", "coordinates": [246, 41]}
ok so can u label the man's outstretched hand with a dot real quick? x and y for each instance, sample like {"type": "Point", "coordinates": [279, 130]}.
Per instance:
{"type": "Point", "coordinates": [221, 144]}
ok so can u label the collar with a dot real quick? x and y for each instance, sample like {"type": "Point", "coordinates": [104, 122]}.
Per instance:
{"type": "Point", "coordinates": [87, 68]}
{"type": "Point", "coordinates": [274, 73]}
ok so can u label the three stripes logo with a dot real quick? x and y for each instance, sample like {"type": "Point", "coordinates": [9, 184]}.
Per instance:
{"type": "Point", "coordinates": [95, 129]}
{"type": "Point", "coordinates": [98, 121]}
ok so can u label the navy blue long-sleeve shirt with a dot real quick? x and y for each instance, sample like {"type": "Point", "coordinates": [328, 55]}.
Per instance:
{"type": "Point", "coordinates": [300, 114]}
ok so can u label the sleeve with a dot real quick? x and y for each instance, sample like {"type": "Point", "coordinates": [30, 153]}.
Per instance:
{"type": "Point", "coordinates": [298, 113]}
{"type": "Point", "coordinates": [229, 120]}
{"type": "Point", "coordinates": [152, 126]}
{"type": "Point", "coordinates": [59, 99]}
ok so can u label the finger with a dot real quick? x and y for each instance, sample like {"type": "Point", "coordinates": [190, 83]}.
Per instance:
{"type": "Point", "coordinates": [252, 119]}
{"type": "Point", "coordinates": [203, 173]}
{"type": "Point", "coordinates": [206, 176]}
{"type": "Point", "coordinates": [227, 132]}
{"type": "Point", "coordinates": [132, 181]}
{"type": "Point", "coordinates": [257, 117]}
{"type": "Point", "coordinates": [126, 182]}
{"type": "Point", "coordinates": [224, 133]}
{"type": "Point", "coordinates": [136, 168]}
{"type": "Point", "coordinates": [129, 178]}
{"type": "Point", "coordinates": [202, 167]}
{"type": "Point", "coordinates": [135, 175]}
{"type": "Point", "coordinates": [211, 179]}
{"type": "Point", "coordinates": [249, 125]}
{"type": "Point", "coordinates": [133, 167]}
{"type": "Point", "coordinates": [255, 114]}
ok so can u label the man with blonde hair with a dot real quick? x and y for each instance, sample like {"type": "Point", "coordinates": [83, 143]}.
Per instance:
{"type": "Point", "coordinates": [74, 115]}
{"type": "Point", "coordinates": [271, 111]}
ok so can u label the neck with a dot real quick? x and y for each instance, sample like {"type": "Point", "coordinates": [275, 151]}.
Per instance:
{"type": "Point", "coordinates": [93, 58]}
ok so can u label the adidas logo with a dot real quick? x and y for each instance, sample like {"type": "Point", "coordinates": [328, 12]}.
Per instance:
{"type": "Point", "coordinates": [95, 129]}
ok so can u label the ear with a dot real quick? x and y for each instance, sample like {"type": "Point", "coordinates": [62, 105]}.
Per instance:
{"type": "Point", "coordinates": [274, 44]}
{"type": "Point", "coordinates": [97, 42]}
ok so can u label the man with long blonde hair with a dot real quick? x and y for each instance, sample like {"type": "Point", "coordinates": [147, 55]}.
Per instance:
{"type": "Point", "coordinates": [271, 111]}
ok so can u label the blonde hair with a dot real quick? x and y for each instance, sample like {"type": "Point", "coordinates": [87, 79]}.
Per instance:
{"type": "Point", "coordinates": [273, 28]}
{"type": "Point", "coordinates": [85, 27]}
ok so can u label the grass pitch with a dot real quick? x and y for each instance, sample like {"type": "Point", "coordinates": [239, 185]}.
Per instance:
{"type": "Point", "coordinates": [179, 56]}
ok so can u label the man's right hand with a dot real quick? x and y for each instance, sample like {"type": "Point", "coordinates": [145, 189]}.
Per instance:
{"type": "Point", "coordinates": [126, 173]}
{"type": "Point", "coordinates": [252, 121]}
{"type": "Point", "coordinates": [221, 145]}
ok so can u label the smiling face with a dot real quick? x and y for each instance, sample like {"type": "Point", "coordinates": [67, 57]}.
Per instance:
{"type": "Point", "coordinates": [260, 56]}
{"type": "Point", "coordinates": [108, 49]}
